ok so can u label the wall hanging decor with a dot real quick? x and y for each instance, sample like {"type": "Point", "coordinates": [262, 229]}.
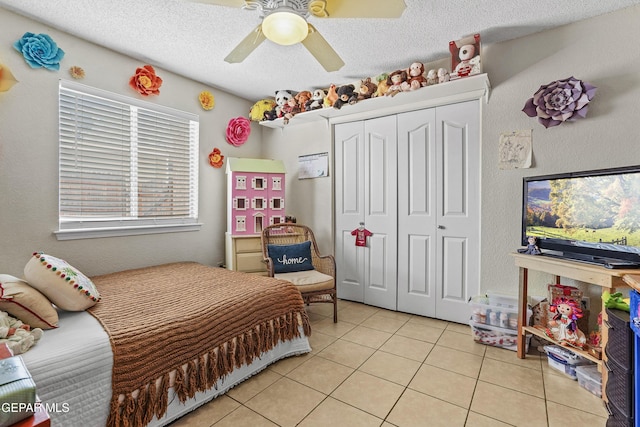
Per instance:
{"type": "Point", "coordinates": [216, 158]}
{"type": "Point", "coordinates": [40, 51]}
{"type": "Point", "coordinates": [238, 131]}
{"type": "Point", "coordinates": [560, 101]}
{"type": "Point", "coordinates": [6, 78]}
{"type": "Point", "coordinates": [76, 72]}
{"type": "Point", "coordinates": [145, 81]}
{"type": "Point", "coordinates": [207, 101]}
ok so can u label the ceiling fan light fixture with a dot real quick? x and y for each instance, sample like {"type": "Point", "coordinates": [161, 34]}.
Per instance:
{"type": "Point", "coordinates": [285, 27]}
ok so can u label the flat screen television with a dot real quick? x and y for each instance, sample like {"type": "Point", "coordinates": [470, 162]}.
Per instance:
{"type": "Point", "coordinates": [590, 216]}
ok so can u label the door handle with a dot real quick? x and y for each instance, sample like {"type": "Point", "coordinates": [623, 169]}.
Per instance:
{"type": "Point", "coordinates": [441, 227]}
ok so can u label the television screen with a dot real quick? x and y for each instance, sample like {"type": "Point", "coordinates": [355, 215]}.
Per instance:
{"type": "Point", "coordinates": [585, 215]}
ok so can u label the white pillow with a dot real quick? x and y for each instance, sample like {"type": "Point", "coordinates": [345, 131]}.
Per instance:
{"type": "Point", "coordinates": [25, 303]}
{"type": "Point", "coordinates": [63, 284]}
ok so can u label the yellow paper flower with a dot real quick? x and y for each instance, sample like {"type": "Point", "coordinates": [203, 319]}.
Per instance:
{"type": "Point", "coordinates": [76, 72]}
{"type": "Point", "coordinates": [206, 100]}
{"type": "Point", "coordinates": [6, 79]}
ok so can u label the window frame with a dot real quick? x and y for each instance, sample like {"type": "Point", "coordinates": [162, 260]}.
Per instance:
{"type": "Point", "coordinates": [88, 227]}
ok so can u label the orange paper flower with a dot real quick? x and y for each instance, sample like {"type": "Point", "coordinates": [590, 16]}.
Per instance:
{"type": "Point", "coordinates": [207, 100]}
{"type": "Point", "coordinates": [76, 72]}
{"type": "Point", "coordinates": [6, 79]}
{"type": "Point", "coordinates": [216, 158]}
{"type": "Point", "coordinates": [145, 81]}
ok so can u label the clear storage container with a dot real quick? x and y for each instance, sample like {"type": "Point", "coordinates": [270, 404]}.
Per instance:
{"type": "Point", "coordinates": [564, 360]}
{"type": "Point", "coordinates": [493, 310]}
{"type": "Point", "coordinates": [589, 378]}
{"type": "Point", "coordinates": [496, 336]}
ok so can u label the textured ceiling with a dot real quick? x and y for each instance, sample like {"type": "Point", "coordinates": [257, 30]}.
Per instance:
{"type": "Point", "coordinates": [192, 39]}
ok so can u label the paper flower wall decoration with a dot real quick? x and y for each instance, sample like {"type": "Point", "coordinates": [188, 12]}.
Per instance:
{"type": "Point", "coordinates": [40, 51]}
{"type": "Point", "coordinates": [238, 131]}
{"type": "Point", "coordinates": [145, 81]}
{"type": "Point", "coordinates": [207, 101]}
{"type": "Point", "coordinates": [560, 101]}
{"type": "Point", "coordinates": [6, 78]}
{"type": "Point", "coordinates": [216, 158]}
{"type": "Point", "coordinates": [76, 72]}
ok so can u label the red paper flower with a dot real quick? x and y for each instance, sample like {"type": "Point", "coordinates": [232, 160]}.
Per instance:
{"type": "Point", "coordinates": [238, 131]}
{"type": "Point", "coordinates": [145, 81]}
{"type": "Point", "coordinates": [216, 158]}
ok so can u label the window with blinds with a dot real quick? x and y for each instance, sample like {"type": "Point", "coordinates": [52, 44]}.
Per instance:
{"type": "Point", "coordinates": [126, 166]}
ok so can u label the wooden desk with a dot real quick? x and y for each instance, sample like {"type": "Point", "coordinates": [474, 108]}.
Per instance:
{"type": "Point", "coordinates": [607, 279]}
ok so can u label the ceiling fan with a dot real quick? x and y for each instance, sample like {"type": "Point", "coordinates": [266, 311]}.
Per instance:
{"type": "Point", "coordinates": [285, 22]}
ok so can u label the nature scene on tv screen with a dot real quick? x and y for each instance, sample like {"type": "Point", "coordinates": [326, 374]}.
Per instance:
{"type": "Point", "coordinates": [593, 209]}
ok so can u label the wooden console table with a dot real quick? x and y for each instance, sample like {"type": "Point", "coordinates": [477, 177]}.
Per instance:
{"type": "Point", "coordinates": [607, 279]}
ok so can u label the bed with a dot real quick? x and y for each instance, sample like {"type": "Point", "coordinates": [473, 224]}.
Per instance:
{"type": "Point", "coordinates": [162, 341]}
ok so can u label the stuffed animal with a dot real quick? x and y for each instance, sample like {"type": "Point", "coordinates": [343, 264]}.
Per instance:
{"type": "Point", "coordinates": [367, 89]}
{"type": "Point", "coordinates": [302, 98]}
{"type": "Point", "coordinates": [256, 112]}
{"type": "Point", "coordinates": [415, 77]}
{"type": "Point", "coordinates": [383, 87]}
{"type": "Point", "coordinates": [616, 300]}
{"type": "Point", "coordinates": [16, 335]}
{"type": "Point", "coordinates": [281, 99]}
{"type": "Point", "coordinates": [432, 77]}
{"type": "Point", "coordinates": [466, 53]}
{"type": "Point", "coordinates": [346, 95]}
{"type": "Point", "coordinates": [443, 75]}
{"type": "Point", "coordinates": [394, 81]}
{"type": "Point", "coordinates": [331, 97]}
{"type": "Point", "coordinates": [317, 98]}
{"type": "Point", "coordinates": [289, 109]}
{"type": "Point", "coordinates": [564, 325]}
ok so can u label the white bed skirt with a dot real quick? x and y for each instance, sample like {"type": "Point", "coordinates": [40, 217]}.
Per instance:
{"type": "Point", "coordinates": [72, 367]}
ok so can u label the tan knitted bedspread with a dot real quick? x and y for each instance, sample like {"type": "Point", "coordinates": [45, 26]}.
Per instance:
{"type": "Point", "coordinates": [206, 320]}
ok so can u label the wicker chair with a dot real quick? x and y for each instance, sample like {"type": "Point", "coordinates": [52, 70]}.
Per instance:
{"type": "Point", "coordinates": [317, 285]}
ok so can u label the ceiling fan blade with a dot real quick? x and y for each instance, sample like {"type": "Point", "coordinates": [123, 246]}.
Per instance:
{"type": "Point", "coordinates": [363, 8]}
{"type": "Point", "coordinates": [229, 3]}
{"type": "Point", "coordinates": [322, 51]}
{"type": "Point", "coordinates": [246, 46]}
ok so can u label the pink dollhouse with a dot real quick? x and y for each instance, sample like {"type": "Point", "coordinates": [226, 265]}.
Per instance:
{"type": "Point", "coordinates": [255, 191]}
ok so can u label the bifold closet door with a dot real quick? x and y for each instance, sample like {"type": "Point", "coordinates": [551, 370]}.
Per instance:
{"type": "Point", "coordinates": [439, 210]}
{"type": "Point", "coordinates": [417, 212]}
{"type": "Point", "coordinates": [366, 192]}
{"type": "Point", "coordinates": [458, 209]}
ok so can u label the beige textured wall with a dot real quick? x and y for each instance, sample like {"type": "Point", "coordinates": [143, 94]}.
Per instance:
{"type": "Point", "coordinates": [601, 51]}
{"type": "Point", "coordinates": [29, 155]}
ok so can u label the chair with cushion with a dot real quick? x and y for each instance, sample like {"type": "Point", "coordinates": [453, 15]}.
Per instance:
{"type": "Point", "coordinates": [291, 253]}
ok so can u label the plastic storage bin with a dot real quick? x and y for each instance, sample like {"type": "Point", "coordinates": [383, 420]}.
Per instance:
{"type": "Point", "coordinates": [590, 379]}
{"type": "Point", "coordinates": [564, 360]}
{"type": "Point", "coordinates": [496, 336]}
{"type": "Point", "coordinates": [496, 310]}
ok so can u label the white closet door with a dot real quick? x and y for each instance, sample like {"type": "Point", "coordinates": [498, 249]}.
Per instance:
{"type": "Point", "coordinates": [458, 201]}
{"type": "Point", "coordinates": [380, 213]}
{"type": "Point", "coordinates": [417, 241]}
{"type": "Point", "coordinates": [349, 208]}
{"type": "Point", "coordinates": [366, 191]}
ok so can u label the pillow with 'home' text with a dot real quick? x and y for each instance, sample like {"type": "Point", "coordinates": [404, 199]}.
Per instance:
{"type": "Point", "coordinates": [290, 258]}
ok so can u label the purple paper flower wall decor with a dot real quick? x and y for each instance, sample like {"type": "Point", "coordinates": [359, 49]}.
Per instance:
{"type": "Point", "coordinates": [560, 101]}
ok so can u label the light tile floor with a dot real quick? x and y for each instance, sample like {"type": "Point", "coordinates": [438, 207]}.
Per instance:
{"type": "Point", "coordinates": [382, 368]}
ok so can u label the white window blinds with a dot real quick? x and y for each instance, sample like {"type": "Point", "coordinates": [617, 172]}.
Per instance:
{"type": "Point", "coordinates": [125, 163]}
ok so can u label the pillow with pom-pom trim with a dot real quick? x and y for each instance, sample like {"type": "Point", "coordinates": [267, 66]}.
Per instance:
{"type": "Point", "coordinates": [63, 284]}
{"type": "Point", "coordinates": [26, 303]}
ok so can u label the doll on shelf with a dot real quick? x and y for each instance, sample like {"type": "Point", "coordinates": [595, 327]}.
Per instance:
{"type": "Point", "coordinates": [532, 247]}
{"type": "Point", "coordinates": [564, 325]}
